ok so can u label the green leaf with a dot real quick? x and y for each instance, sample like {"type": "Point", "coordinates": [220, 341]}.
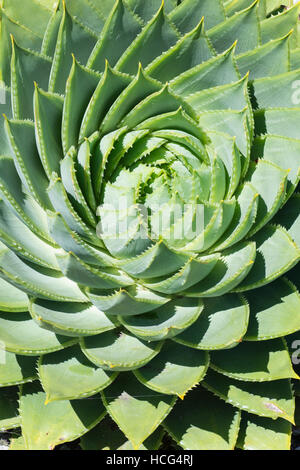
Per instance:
{"type": "Point", "coordinates": [206, 423]}
{"type": "Point", "coordinates": [270, 399]}
{"type": "Point", "coordinates": [243, 26]}
{"type": "Point", "coordinates": [139, 88]}
{"type": "Point", "coordinates": [78, 271]}
{"type": "Point", "coordinates": [71, 183]}
{"type": "Point", "coordinates": [23, 35]}
{"type": "Point", "coordinates": [70, 241]}
{"type": "Point", "coordinates": [22, 203]}
{"type": "Point", "coordinates": [276, 92]}
{"type": "Point", "coordinates": [175, 120]}
{"type": "Point", "coordinates": [279, 25]}
{"type": "Point", "coordinates": [17, 443]}
{"type": "Point", "coordinates": [258, 433]}
{"type": "Point", "coordinates": [120, 24]}
{"type": "Point", "coordinates": [20, 239]}
{"type": "Point", "coordinates": [230, 96]}
{"type": "Point", "coordinates": [28, 164]}
{"type": "Point", "coordinates": [16, 369]}
{"type": "Point", "coordinates": [278, 121]}
{"type": "Point", "coordinates": [63, 206]}
{"type": "Point", "coordinates": [180, 137]}
{"type": "Point", "coordinates": [267, 267]}
{"type": "Point", "coordinates": [9, 412]}
{"type": "Point", "coordinates": [233, 6]}
{"type": "Point", "coordinates": [35, 23]}
{"type": "Point", "coordinates": [156, 37]}
{"type": "Point", "coordinates": [243, 219]}
{"type": "Point", "coordinates": [158, 260]}
{"type": "Point", "coordinates": [83, 169]}
{"type": "Point", "coordinates": [126, 398]}
{"type": "Point", "coordinates": [217, 71]}
{"type": "Point", "coordinates": [188, 52]}
{"type": "Point", "coordinates": [235, 124]}
{"type": "Point", "coordinates": [162, 101]}
{"type": "Point", "coordinates": [89, 12]}
{"type": "Point", "coordinates": [45, 426]}
{"type": "Point", "coordinates": [113, 147]}
{"type": "Point", "coordinates": [226, 150]}
{"type": "Point", "coordinates": [22, 335]}
{"type": "Point", "coordinates": [7, 111]}
{"type": "Point", "coordinates": [104, 10]}
{"type": "Point", "coordinates": [50, 32]}
{"type": "Point", "coordinates": [175, 370]}
{"type": "Point", "coordinates": [27, 67]}
{"type": "Point", "coordinates": [70, 319]}
{"type": "Point", "coordinates": [273, 149]}
{"type": "Point", "coordinates": [275, 312]}
{"type": "Point", "coordinates": [269, 180]}
{"type": "Point", "coordinates": [36, 280]}
{"type": "Point", "coordinates": [72, 38]}
{"type": "Point", "coordinates": [214, 218]}
{"type": "Point", "coordinates": [187, 15]}
{"type": "Point", "coordinates": [165, 322]}
{"type": "Point", "coordinates": [80, 87]}
{"type": "Point", "coordinates": [222, 324]}
{"type": "Point", "coordinates": [11, 298]}
{"type": "Point", "coordinates": [118, 350]}
{"type": "Point", "coordinates": [81, 378]}
{"type": "Point", "coordinates": [295, 59]}
{"type": "Point", "coordinates": [190, 274]}
{"type": "Point", "coordinates": [109, 88]}
{"type": "Point", "coordinates": [107, 436]}
{"type": "Point", "coordinates": [126, 302]}
{"type": "Point", "coordinates": [289, 218]}
{"type": "Point", "coordinates": [230, 270]}
{"type": "Point", "coordinates": [259, 361]}
{"type": "Point", "coordinates": [146, 10]}
{"type": "Point", "coordinates": [48, 109]}
{"type": "Point", "coordinates": [261, 61]}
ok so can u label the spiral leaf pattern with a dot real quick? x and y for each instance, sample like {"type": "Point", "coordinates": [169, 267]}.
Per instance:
{"type": "Point", "coordinates": [149, 223]}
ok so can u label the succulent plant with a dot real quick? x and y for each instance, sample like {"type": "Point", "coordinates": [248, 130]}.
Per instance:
{"type": "Point", "coordinates": [149, 223]}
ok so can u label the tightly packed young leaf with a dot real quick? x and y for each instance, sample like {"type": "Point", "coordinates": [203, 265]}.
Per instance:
{"type": "Point", "coordinates": [149, 223]}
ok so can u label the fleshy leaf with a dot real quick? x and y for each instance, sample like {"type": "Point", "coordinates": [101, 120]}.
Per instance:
{"type": "Point", "coordinates": [275, 312]}
{"type": "Point", "coordinates": [255, 361]}
{"type": "Point", "coordinates": [267, 267]}
{"type": "Point", "coordinates": [107, 436]}
{"type": "Point", "coordinates": [206, 423]}
{"type": "Point", "coordinates": [12, 299]}
{"type": "Point", "coordinates": [41, 428]}
{"type": "Point", "coordinates": [165, 322]}
{"type": "Point", "coordinates": [222, 323]}
{"type": "Point", "coordinates": [270, 399]}
{"type": "Point", "coordinates": [175, 370]}
{"type": "Point", "coordinates": [115, 350]}
{"type": "Point", "coordinates": [258, 433]}
{"type": "Point", "coordinates": [127, 397]}
{"type": "Point", "coordinates": [72, 364]}
{"type": "Point", "coordinates": [16, 369]}
{"type": "Point", "coordinates": [9, 412]}
{"type": "Point", "coordinates": [21, 335]}
{"type": "Point", "coordinates": [70, 319]}
{"type": "Point", "coordinates": [243, 25]}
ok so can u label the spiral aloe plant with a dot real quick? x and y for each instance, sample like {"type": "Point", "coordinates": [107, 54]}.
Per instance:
{"type": "Point", "coordinates": [149, 223]}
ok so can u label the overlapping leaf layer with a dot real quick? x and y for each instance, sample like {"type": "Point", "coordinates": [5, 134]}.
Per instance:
{"type": "Point", "coordinates": [179, 124]}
